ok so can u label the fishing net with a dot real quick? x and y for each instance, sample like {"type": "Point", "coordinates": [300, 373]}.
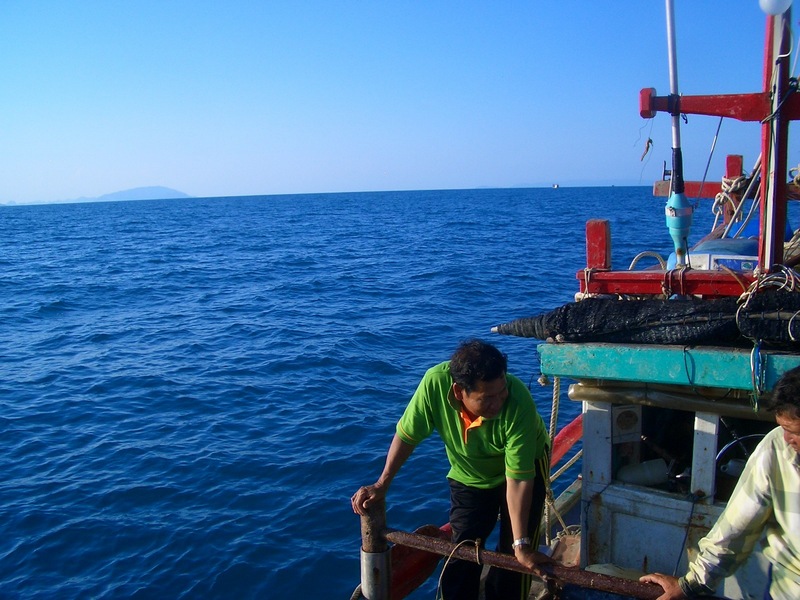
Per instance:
{"type": "Point", "coordinates": [770, 317]}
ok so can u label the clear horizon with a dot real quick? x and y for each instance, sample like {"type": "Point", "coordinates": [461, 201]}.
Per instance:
{"type": "Point", "coordinates": [182, 195]}
{"type": "Point", "coordinates": [282, 98]}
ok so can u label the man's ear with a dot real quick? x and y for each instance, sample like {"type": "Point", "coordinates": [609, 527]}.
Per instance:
{"type": "Point", "coordinates": [458, 392]}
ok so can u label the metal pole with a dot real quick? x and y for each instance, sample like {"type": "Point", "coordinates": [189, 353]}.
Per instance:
{"type": "Point", "coordinates": [375, 562]}
{"type": "Point", "coordinates": [672, 54]}
{"type": "Point", "coordinates": [678, 210]}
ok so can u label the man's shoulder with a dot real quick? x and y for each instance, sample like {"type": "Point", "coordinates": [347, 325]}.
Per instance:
{"type": "Point", "coordinates": [772, 443]}
{"type": "Point", "coordinates": [438, 371]}
{"type": "Point", "coordinates": [774, 446]}
{"type": "Point", "coordinates": [773, 433]}
{"type": "Point", "coordinates": [436, 383]}
{"type": "Point", "coordinates": [771, 456]}
{"type": "Point", "coordinates": [437, 376]}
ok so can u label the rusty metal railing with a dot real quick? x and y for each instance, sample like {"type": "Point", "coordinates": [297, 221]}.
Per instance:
{"type": "Point", "coordinates": [376, 568]}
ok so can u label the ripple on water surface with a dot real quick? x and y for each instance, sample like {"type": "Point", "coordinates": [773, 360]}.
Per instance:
{"type": "Point", "coordinates": [191, 390]}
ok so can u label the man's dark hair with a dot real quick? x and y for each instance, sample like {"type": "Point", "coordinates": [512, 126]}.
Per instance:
{"type": "Point", "coordinates": [474, 361]}
{"type": "Point", "coordinates": [785, 397]}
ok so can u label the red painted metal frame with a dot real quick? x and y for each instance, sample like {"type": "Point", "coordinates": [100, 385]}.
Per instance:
{"type": "Point", "coordinates": [734, 167]}
{"type": "Point", "coordinates": [597, 278]}
{"type": "Point", "coordinates": [743, 107]}
{"type": "Point", "coordinates": [711, 284]}
{"type": "Point", "coordinates": [774, 146]}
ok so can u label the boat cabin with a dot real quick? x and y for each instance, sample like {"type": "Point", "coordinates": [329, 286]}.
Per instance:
{"type": "Point", "coordinates": [666, 432]}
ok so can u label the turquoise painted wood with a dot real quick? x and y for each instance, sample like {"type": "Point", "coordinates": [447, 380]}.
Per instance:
{"type": "Point", "coordinates": [674, 365]}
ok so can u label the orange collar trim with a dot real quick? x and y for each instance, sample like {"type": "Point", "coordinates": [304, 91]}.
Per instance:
{"type": "Point", "coordinates": [469, 423]}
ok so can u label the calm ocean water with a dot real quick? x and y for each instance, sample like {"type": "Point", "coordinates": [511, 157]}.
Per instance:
{"type": "Point", "coordinates": [192, 389]}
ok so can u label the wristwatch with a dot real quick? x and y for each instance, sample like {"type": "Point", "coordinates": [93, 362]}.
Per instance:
{"type": "Point", "coordinates": [526, 541]}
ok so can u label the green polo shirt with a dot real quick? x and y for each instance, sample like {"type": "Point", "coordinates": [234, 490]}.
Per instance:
{"type": "Point", "coordinates": [504, 446]}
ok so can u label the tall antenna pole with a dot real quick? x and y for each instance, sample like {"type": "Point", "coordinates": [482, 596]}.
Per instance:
{"type": "Point", "coordinates": [678, 209]}
{"type": "Point", "coordinates": [672, 53]}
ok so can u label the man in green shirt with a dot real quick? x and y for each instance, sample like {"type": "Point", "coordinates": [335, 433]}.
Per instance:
{"type": "Point", "coordinates": [765, 503]}
{"type": "Point", "coordinates": [498, 448]}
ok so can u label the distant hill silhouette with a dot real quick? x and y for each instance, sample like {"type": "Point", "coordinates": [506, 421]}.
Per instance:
{"type": "Point", "coordinates": [140, 193]}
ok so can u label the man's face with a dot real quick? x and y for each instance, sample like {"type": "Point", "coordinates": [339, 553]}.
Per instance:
{"type": "Point", "coordinates": [486, 400]}
{"type": "Point", "coordinates": [791, 429]}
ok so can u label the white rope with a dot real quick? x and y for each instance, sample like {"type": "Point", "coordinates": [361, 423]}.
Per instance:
{"type": "Point", "coordinates": [754, 207]}
{"type": "Point", "coordinates": [554, 408]}
{"type": "Point", "coordinates": [551, 505]}
{"type": "Point", "coordinates": [728, 186]}
{"type": "Point", "coordinates": [751, 191]}
{"type": "Point", "coordinates": [449, 558]}
{"type": "Point", "coordinates": [794, 173]}
{"type": "Point", "coordinates": [567, 465]}
{"type": "Point", "coordinates": [784, 279]}
{"type": "Point", "coordinates": [553, 426]}
{"type": "Point", "coordinates": [648, 253]}
{"type": "Point", "coordinates": [791, 335]}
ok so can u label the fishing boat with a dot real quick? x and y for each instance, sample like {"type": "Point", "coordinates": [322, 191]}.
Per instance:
{"type": "Point", "coordinates": [668, 364]}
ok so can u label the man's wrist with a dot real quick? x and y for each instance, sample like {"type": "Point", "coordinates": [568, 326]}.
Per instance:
{"type": "Point", "coordinates": [521, 542]}
{"type": "Point", "coordinates": [692, 588]}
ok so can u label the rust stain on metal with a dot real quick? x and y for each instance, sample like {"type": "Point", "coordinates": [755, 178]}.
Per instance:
{"type": "Point", "coordinates": [373, 527]}
{"type": "Point", "coordinates": [562, 575]}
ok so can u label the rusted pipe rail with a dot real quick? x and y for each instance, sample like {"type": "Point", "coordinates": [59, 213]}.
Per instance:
{"type": "Point", "coordinates": [563, 575]}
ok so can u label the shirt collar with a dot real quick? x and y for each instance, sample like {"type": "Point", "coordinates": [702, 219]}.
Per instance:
{"type": "Point", "coordinates": [451, 398]}
{"type": "Point", "coordinates": [466, 421]}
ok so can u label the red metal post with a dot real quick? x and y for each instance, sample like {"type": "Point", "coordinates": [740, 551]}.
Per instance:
{"type": "Point", "coordinates": [598, 244]}
{"type": "Point", "coordinates": [774, 143]}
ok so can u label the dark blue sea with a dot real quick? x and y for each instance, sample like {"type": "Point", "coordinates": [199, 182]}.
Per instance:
{"type": "Point", "coordinates": [191, 390]}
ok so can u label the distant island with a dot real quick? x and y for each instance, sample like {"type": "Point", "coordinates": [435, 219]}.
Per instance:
{"type": "Point", "coordinates": [140, 193]}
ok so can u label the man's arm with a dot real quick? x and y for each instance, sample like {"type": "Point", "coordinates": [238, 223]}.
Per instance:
{"type": "Point", "coordinates": [399, 451]}
{"type": "Point", "coordinates": [733, 536]}
{"type": "Point", "coordinates": [519, 495]}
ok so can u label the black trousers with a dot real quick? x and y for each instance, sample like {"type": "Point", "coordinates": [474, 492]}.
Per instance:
{"type": "Point", "coordinates": [473, 515]}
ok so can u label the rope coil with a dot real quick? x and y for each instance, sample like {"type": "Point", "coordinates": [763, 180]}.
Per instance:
{"type": "Point", "coordinates": [730, 186]}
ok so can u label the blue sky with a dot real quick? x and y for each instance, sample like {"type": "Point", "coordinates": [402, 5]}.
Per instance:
{"type": "Point", "coordinates": [271, 97]}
